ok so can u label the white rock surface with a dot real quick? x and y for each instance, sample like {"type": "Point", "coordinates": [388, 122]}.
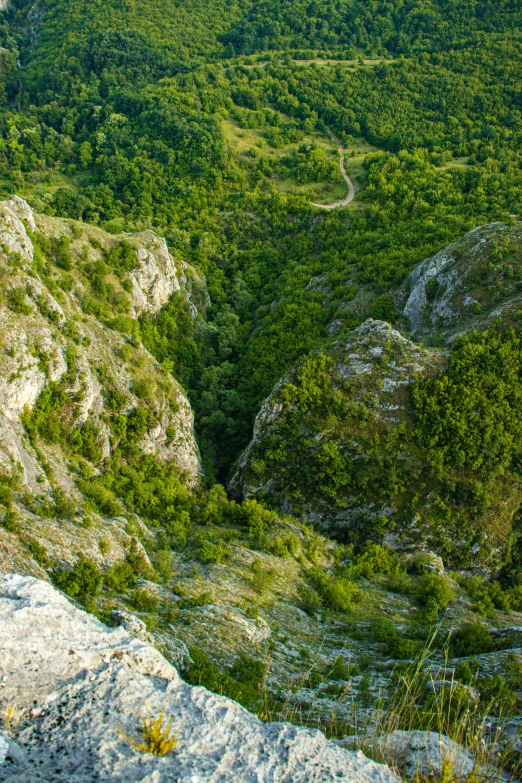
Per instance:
{"type": "Point", "coordinates": [12, 231]}
{"type": "Point", "coordinates": [427, 753]}
{"type": "Point", "coordinates": [155, 278]}
{"type": "Point", "coordinates": [75, 683]}
{"type": "Point", "coordinates": [22, 210]}
{"type": "Point", "coordinates": [4, 747]}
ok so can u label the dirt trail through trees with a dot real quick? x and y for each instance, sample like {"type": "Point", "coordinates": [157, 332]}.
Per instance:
{"type": "Point", "coordinates": [351, 190]}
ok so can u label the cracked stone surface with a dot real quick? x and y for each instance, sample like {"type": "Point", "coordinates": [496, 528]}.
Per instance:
{"type": "Point", "coordinates": [75, 685]}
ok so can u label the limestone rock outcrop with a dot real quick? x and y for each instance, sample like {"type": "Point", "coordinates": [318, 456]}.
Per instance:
{"type": "Point", "coordinates": [297, 465]}
{"type": "Point", "coordinates": [78, 689]}
{"type": "Point", "coordinates": [337, 444]}
{"type": "Point", "coordinates": [68, 330]}
{"type": "Point", "coordinates": [468, 285]}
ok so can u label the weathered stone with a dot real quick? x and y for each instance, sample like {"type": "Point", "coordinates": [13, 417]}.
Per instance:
{"type": "Point", "coordinates": [456, 290]}
{"type": "Point", "coordinates": [36, 351]}
{"type": "Point", "coordinates": [130, 622]}
{"type": "Point", "coordinates": [92, 683]}
{"type": "Point", "coordinates": [423, 754]}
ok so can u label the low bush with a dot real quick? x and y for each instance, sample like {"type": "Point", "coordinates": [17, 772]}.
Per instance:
{"type": "Point", "coordinates": [284, 546]}
{"type": "Point", "coordinates": [376, 559]}
{"type": "Point", "coordinates": [145, 601]}
{"type": "Point", "coordinates": [11, 522]}
{"type": "Point", "coordinates": [120, 576]}
{"type": "Point", "coordinates": [81, 582]}
{"type": "Point", "coordinates": [208, 552]}
{"type": "Point", "coordinates": [341, 670]}
{"type": "Point", "coordinates": [262, 578]}
{"type": "Point", "coordinates": [399, 583]}
{"type": "Point", "coordinates": [309, 599]}
{"type": "Point", "coordinates": [339, 594]}
{"type": "Point", "coordinates": [471, 639]}
{"type": "Point", "coordinates": [434, 594]}
{"type": "Point", "coordinates": [336, 592]}
{"type": "Point", "coordinates": [203, 599]}
{"type": "Point", "coordinates": [395, 643]}
{"type": "Point", "coordinates": [243, 681]}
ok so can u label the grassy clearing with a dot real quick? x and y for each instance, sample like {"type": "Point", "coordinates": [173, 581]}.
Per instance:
{"type": "Point", "coordinates": [252, 144]}
{"type": "Point", "coordinates": [350, 64]}
{"type": "Point", "coordinates": [456, 163]}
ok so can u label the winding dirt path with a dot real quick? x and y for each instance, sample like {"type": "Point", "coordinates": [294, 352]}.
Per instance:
{"type": "Point", "coordinates": [351, 190]}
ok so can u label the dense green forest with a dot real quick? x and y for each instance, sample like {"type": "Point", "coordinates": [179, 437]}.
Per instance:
{"type": "Point", "coordinates": [118, 120]}
{"type": "Point", "coordinates": [224, 126]}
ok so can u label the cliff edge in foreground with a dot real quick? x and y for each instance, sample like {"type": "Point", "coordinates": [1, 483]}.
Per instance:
{"type": "Point", "coordinates": [74, 685]}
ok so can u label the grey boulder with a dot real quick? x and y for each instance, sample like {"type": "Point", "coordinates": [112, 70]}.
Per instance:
{"type": "Point", "coordinates": [77, 687]}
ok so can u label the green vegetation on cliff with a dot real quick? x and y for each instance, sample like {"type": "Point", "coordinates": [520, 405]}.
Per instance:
{"type": "Point", "coordinates": [375, 438]}
{"type": "Point", "coordinates": [216, 124]}
{"type": "Point", "coordinates": [126, 123]}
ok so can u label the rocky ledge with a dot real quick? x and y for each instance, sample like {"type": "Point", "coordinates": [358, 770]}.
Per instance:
{"type": "Point", "coordinates": [72, 688]}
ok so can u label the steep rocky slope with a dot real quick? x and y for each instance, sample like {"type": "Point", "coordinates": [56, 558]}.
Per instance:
{"type": "Point", "coordinates": [77, 687]}
{"type": "Point", "coordinates": [75, 379]}
{"type": "Point", "coordinates": [325, 443]}
{"type": "Point", "coordinates": [468, 285]}
{"type": "Point", "coordinates": [338, 443]}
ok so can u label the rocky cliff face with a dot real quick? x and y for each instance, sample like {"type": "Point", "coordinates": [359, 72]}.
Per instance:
{"type": "Point", "coordinates": [67, 362]}
{"type": "Point", "coordinates": [78, 688]}
{"type": "Point", "coordinates": [336, 443]}
{"type": "Point", "coordinates": [326, 466]}
{"type": "Point", "coordinates": [468, 285]}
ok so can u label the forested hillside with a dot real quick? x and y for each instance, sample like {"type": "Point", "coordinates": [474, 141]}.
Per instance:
{"type": "Point", "coordinates": [127, 124]}
{"type": "Point", "coordinates": [221, 126]}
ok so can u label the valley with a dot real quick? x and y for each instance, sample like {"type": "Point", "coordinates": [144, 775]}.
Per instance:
{"type": "Point", "coordinates": [261, 389]}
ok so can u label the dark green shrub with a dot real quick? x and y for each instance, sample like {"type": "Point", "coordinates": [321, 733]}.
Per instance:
{"type": "Point", "coordinates": [376, 559]}
{"type": "Point", "coordinates": [434, 590]}
{"type": "Point", "coordinates": [177, 529]}
{"type": "Point", "coordinates": [501, 696]}
{"type": "Point", "coordinates": [341, 670]}
{"type": "Point", "coordinates": [137, 560]}
{"type": "Point", "coordinates": [11, 522]}
{"type": "Point", "coordinates": [471, 639]}
{"type": "Point", "coordinates": [209, 552]}
{"type": "Point", "coordinates": [62, 253]}
{"type": "Point", "coordinates": [16, 301]}
{"type": "Point", "coordinates": [284, 546]}
{"type": "Point", "coordinates": [38, 551]}
{"type": "Point", "coordinates": [122, 258]}
{"type": "Point", "coordinates": [120, 576]}
{"type": "Point", "coordinates": [432, 286]}
{"type": "Point", "coordinates": [336, 592]}
{"type": "Point", "coordinates": [381, 630]}
{"type": "Point", "coordinates": [465, 673]}
{"type": "Point", "coordinates": [145, 601]}
{"type": "Point", "coordinates": [514, 598]}
{"type": "Point", "coordinates": [104, 499]}
{"type": "Point", "coordinates": [162, 564]}
{"type": "Point", "coordinates": [241, 682]}
{"type": "Point", "coordinates": [203, 599]}
{"type": "Point", "coordinates": [339, 594]}
{"type": "Point", "coordinates": [399, 583]}
{"type": "Point", "coordinates": [65, 505]}
{"type": "Point", "coordinates": [82, 582]}
{"type": "Point", "coordinates": [6, 491]}
{"type": "Point", "coordinates": [395, 644]}
{"type": "Point", "coordinates": [143, 389]}
{"type": "Point", "coordinates": [310, 600]}
{"type": "Point", "coordinates": [256, 518]}
{"type": "Point", "coordinates": [262, 578]}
